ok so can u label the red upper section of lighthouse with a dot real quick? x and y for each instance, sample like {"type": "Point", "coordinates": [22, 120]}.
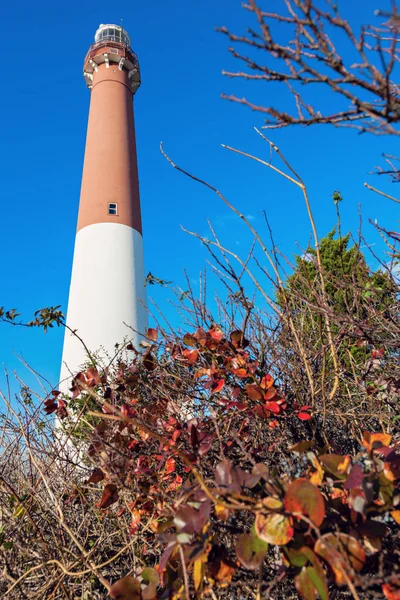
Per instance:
{"type": "Point", "coordinates": [110, 186]}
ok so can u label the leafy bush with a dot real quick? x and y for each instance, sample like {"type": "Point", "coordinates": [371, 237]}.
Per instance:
{"type": "Point", "coordinates": [256, 455]}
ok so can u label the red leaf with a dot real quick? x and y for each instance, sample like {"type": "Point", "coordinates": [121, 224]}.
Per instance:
{"type": "Point", "coordinates": [50, 406]}
{"type": "Point", "coordinates": [217, 385]}
{"type": "Point", "coordinates": [152, 334]}
{"type": "Point", "coordinates": [194, 437]}
{"type": "Point", "coordinates": [92, 377]}
{"type": "Point", "coordinates": [273, 407]}
{"type": "Point", "coordinates": [216, 333]}
{"type": "Point", "coordinates": [201, 336]}
{"type": "Point", "coordinates": [96, 476]}
{"type": "Point", "coordinates": [170, 465]}
{"type": "Point", "coordinates": [271, 393]}
{"type": "Point", "coordinates": [239, 405]}
{"type": "Point", "coordinates": [303, 416]}
{"type": "Point", "coordinates": [253, 391]}
{"type": "Point", "coordinates": [109, 497]}
{"type": "Point", "coordinates": [262, 412]}
{"type": "Point", "coordinates": [149, 360]}
{"type": "Point", "coordinates": [191, 355]}
{"type": "Point", "coordinates": [355, 478]}
{"type": "Point", "coordinates": [205, 444]}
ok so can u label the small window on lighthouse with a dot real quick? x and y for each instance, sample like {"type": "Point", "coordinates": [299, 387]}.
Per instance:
{"type": "Point", "coordinates": [112, 208]}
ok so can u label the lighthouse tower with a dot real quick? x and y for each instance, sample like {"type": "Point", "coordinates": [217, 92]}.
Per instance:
{"type": "Point", "coordinates": [107, 295]}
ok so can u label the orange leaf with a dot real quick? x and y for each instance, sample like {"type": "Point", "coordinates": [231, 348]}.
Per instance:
{"type": "Point", "coordinates": [392, 590]}
{"type": "Point", "coordinates": [339, 493]}
{"type": "Point", "coordinates": [342, 553]}
{"type": "Point", "coordinates": [135, 522]}
{"type": "Point", "coordinates": [216, 332]}
{"type": "Point", "coordinates": [391, 468]}
{"type": "Point", "coordinates": [318, 476]}
{"type": "Point", "coordinates": [241, 373]}
{"type": "Point", "coordinates": [267, 382]}
{"type": "Point", "coordinates": [170, 465]}
{"type": "Point", "coordinates": [201, 336]}
{"type": "Point", "coordinates": [222, 572]}
{"type": "Point", "coordinates": [274, 528]}
{"type": "Point", "coordinates": [374, 440]}
{"type": "Point", "coordinates": [191, 355]}
{"type": "Point", "coordinates": [336, 464]}
{"type": "Point", "coordinates": [395, 514]}
{"type": "Point", "coordinates": [303, 497]}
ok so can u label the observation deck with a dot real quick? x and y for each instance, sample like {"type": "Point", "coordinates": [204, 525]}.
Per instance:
{"type": "Point", "coordinates": [112, 46]}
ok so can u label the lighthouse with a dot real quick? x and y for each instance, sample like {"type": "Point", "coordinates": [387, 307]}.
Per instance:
{"type": "Point", "coordinates": [107, 301]}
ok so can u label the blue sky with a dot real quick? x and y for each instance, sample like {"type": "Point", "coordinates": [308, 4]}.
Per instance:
{"type": "Point", "coordinates": [44, 108]}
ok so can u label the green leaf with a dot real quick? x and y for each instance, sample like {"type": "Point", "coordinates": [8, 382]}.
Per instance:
{"type": "Point", "coordinates": [151, 578]}
{"type": "Point", "coordinates": [311, 582]}
{"type": "Point", "coordinates": [251, 550]}
{"type": "Point", "coordinates": [8, 545]}
{"type": "Point", "coordinates": [317, 576]}
{"type": "Point", "coordinates": [296, 557]}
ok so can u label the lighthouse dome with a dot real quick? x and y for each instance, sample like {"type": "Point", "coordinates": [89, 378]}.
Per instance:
{"type": "Point", "coordinates": [112, 33]}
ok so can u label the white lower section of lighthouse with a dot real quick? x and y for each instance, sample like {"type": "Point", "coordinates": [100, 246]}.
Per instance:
{"type": "Point", "coordinates": [107, 300]}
